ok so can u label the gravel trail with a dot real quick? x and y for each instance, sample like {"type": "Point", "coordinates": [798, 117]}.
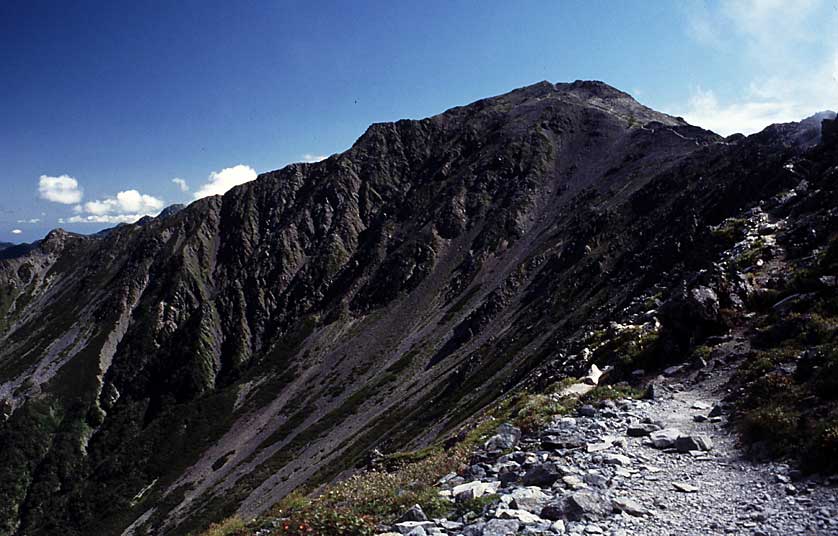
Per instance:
{"type": "Point", "coordinates": [666, 466]}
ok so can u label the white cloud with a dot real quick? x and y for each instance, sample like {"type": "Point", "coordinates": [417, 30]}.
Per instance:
{"type": "Point", "coordinates": [17, 231]}
{"type": "Point", "coordinates": [311, 158]}
{"type": "Point", "coordinates": [33, 220]}
{"type": "Point", "coordinates": [63, 189]}
{"type": "Point", "coordinates": [126, 207]}
{"type": "Point", "coordinates": [128, 201]}
{"type": "Point", "coordinates": [104, 218]}
{"type": "Point", "coordinates": [791, 67]}
{"type": "Point", "coordinates": [184, 187]}
{"type": "Point", "coordinates": [742, 116]}
{"type": "Point", "coordinates": [219, 182]}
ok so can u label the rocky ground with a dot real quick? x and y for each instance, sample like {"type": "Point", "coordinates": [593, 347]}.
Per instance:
{"type": "Point", "coordinates": [669, 464]}
{"type": "Point", "coordinates": [665, 465]}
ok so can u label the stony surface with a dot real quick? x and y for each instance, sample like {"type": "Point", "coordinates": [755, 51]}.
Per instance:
{"type": "Point", "coordinates": [631, 487]}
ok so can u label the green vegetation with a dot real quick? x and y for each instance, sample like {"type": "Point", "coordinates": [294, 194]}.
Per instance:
{"type": "Point", "coordinates": [790, 407]}
{"type": "Point", "coordinates": [355, 506]}
{"type": "Point", "coordinates": [758, 250]}
{"type": "Point", "coordinates": [731, 231]}
{"type": "Point", "coordinates": [702, 353]}
{"type": "Point", "coordinates": [26, 438]}
{"type": "Point", "coordinates": [611, 392]}
{"type": "Point", "coordinates": [476, 506]}
{"type": "Point", "coordinates": [633, 347]}
{"type": "Point", "coordinates": [233, 526]}
{"type": "Point", "coordinates": [532, 411]}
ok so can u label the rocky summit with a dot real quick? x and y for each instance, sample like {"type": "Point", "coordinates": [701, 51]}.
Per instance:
{"type": "Point", "coordinates": [400, 338]}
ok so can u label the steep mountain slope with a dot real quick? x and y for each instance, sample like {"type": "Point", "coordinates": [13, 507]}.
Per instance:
{"type": "Point", "coordinates": [167, 374]}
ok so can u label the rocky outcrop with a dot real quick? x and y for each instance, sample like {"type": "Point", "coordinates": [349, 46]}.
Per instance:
{"type": "Point", "coordinates": [699, 484]}
{"type": "Point", "coordinates": [164, 375]}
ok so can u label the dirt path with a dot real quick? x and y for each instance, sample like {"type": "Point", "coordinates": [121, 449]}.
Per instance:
{"type": "Point", "coordinates": [734, 495]}
{"type": "Point", "coordinates": [598, 473]}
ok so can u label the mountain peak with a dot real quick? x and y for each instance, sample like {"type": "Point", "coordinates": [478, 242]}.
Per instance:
{"type": "Point", "coordinates": [374, 300]}
{"type": "Point", "coordinates": [595, 87]}
{"type": "Point", "coordinates": [590, 94]}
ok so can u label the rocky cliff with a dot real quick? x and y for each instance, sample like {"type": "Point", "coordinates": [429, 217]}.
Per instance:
{"type": "Point", "coordinates": [170, 373]}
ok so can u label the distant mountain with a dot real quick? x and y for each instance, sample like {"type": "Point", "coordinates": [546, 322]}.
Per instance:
{"type": "Point", "coordinates": [15, 250]}
{"type": "Point", "coordinates": [4, 245]}
{"type": "Point", "coordinates": [172, 372]}
{"type": "Point", "coordinates": [171, 210]}
{"type": "Point", "coordinates": [804, 134]}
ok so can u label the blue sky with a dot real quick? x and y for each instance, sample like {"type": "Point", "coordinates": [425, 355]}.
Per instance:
{"type": "Point", "coordinates": [103, 105]}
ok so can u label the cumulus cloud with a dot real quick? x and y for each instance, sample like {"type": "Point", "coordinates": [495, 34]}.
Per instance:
{"type": "Point", "coordinates": [124, 202]}
{"type": "Point", "coordinates": [17, 231]}
{"type": "Point", "coordinates": [126, 207]}
{"type": "Point", "coordinates": [792, 66]}
{"type": "Point", "coordinates": [741, 115]}
{"type": "Point", "coordinates": [104, 218]}
{"type": "Point", "coordinates": [219, 182]}
{"type": "Point", "coordinates": [63, 189]}
{"type": "Point", "coordinates": [32, 220]}
{"type": "Point", "coordinates": [311, 158]}
{"type": "Point", "coordinates": [184, 187]}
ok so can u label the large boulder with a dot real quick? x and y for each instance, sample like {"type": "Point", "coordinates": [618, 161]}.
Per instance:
{"type": "Point", "coordinates": [664, 439]}
{"type": "Point", "coordinates": [474, 490]}
{"type": "Point", "coordinates": [629, 506]}
{"type": "Point", "coordinates": [414, 514]}
{"type": "Point", "coordinates": [530, 498]}
{"type": "Point", "coordinates": [641, 429]}
{"type": "Point", "coordinates": [506, 438]}
{"type": "Point", "coordinates": [575, 507]}
{"type": "Point", "coordinates": [584, 505]}
{"type": "Point", "coordinates": [691, 443]}
{"type": "Point", "coordinates": [500, 527]}
{"type": "Point", "coordinates": [542, 475]}
{"type": "Point", "coordinates": [693, 313]}
{"type": "Point", "coordinates": [526, 518]}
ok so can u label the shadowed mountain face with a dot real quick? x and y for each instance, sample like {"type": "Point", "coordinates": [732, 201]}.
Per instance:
{"type": "Point", "coordinates": [164, 375]}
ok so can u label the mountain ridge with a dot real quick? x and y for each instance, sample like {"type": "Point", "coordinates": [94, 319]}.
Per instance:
{"type": "Point", "coordinates": [258, 341]}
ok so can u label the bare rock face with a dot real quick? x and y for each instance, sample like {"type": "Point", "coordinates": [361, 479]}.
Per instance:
{"type": "Point", "coordinates": [166, 374]}
{"type": "Point", "coordinates": [829, 132]}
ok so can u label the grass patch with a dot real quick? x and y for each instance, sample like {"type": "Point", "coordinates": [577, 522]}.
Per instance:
{"type": "Point", "coordinates": [790, 381]}
{"type": "Point", "coordinates": [730, 231]}
{"type": "Point", "coordinates": [476, 506]}
{"type": "Point", "coordinates": [357, 505]}
{"type": "Point", "coordinates": [774, 426]}
{"type": "Point", "coordinates": [233, 526]}
{"type": "Point", "coordinates": [611, 392]}
{"type": "Point", "coordinates": [532, 412]}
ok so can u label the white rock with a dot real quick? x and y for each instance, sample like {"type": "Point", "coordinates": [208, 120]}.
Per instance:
{"type": "Point", "coordinates": [558, 527]}
{"type": "Point", "coordinates": [684, 487]}
{"type": "Point", "coordinates": [408, 527]}
{"type": "Point", "coordinates": [663, 439]}
{"type": "Point", "coordinates": [523, 516]}
{"type": "Point", "coordinates": [476, 488]}
{"type": "Point", "coordinates": [530, 498]}
{"type": "Point", "coordinates": [616, 459]}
